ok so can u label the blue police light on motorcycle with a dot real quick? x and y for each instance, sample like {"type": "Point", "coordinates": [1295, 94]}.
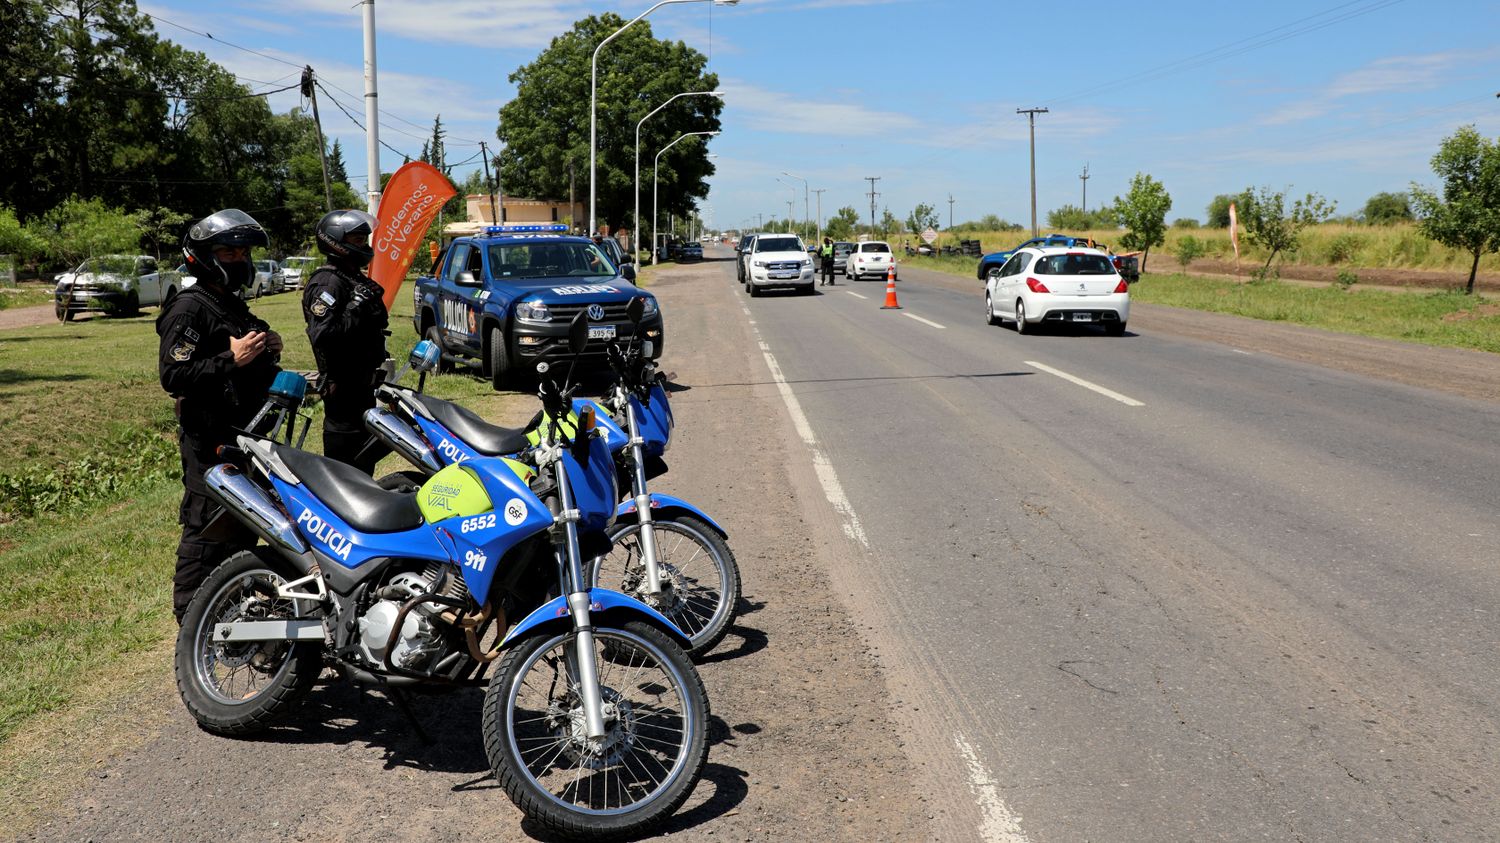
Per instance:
{"type": "Point", "coordinates": [289, 387]}
{"type": "Point", "coordinates": [425, 356]}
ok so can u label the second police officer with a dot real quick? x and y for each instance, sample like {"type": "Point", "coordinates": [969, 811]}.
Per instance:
{"type": "Point", "coordinates": [346, 324]}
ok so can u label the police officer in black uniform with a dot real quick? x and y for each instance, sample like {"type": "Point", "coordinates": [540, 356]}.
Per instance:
{"type": "Point", "coordinates": [346, 323]}
{"type": "Point", "coordinates": [217, 360]}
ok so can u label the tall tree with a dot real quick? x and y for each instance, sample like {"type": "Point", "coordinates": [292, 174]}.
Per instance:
{"type": "Point", "coordinates": [545, 128]}
{"type": "Point", "coordinates": [1387, 209]}
{"type": "Point", "coordinates": [842, 224]}
{"type": "Point", "coordinates": [1467, 214]}
{"type": "Point", "coordinates": [922, 217]}
{"type": "Point", "coordinates": [1144, 212]}
{"type": "Point", "coordinates": [1269, 225]}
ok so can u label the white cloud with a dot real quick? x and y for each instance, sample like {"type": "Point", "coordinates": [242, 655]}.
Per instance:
{"type": "Point", "coordinates": [497, 24]}
{"type": "Point", "coordinates": [1394, 74]}
{"type": "Point", "coordinates": [774, 111]}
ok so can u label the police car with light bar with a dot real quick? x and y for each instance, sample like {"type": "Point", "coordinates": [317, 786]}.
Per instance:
{"type": "Point", "coordinates": [503, 299]}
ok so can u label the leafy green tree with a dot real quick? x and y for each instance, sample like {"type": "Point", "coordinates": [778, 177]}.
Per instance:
{"type": "Point", "coordinates": [1188, 248]}
{"type": "Point", "coordinates": [1144, 212]}
{"type": "Point", "coordinates": [86, 228]}
{"type": "Point", "coordinates": [922, 217]}
{"type": "Point", "coordinates": [18, 240]}
{"type": "Point", "coordinates": [1185, 222]}
{"type": "Point", "coordinates": [841, 225]}
{"type": "Point", "coordinates": [1218, 209]}
{"type": "Point", "coordinates": [160, 228]}
{"type": "Point", "coordinates": [1269, 225]}
{"type": "Point", "coordinates": [1387, 209]}
{"type": "Point", "coordinates": [889, 224]}
{"type": "Point", "coordinates": [545, 127]}
{"type": "Point", "coordinates": [1467, 214]}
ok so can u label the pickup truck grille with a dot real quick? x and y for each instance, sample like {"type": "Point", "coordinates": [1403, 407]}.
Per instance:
{"type": "Point", "coordinates": [613, 312]}
{"type": "Point", "coordinates": [784, 266]}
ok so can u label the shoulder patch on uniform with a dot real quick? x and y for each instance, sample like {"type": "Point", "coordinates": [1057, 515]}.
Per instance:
{"type": "Point", "coordinates": [191, 334]}
{"type": "Point", "coordinates": [327, 298]}
{"type": "Point", "coordinates": [319, 307]}
{"type": "Point", "coordinates": [182, 351]}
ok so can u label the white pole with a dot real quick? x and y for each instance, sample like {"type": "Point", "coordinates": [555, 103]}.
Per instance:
{"type": "Point", "coordinates": [637, 222]}
{"type": "Point", "coordinates": [655, 167]}
{"type": "Point", "coordinates": [372, 110]}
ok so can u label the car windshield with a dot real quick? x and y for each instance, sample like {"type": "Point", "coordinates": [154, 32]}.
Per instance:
{"type": "Point", "coordinates": [263, 266]}
{"type": "Point", "coordinates": [108, 265]}
{"type": "Point", "coordinates": [778, 244]}
{"type": "Point", "coordinates": [881, 248]}
{"type": "Point", "coordinates": [548, 260]}
{"type": "Point", "coordinates": [1073, 265]}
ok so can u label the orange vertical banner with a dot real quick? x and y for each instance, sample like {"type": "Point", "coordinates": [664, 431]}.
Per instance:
{"type": "Point", "coordinates": [408, 205]}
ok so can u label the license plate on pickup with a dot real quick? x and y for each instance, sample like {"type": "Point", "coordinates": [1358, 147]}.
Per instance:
{"type": "Point", "coordinates": [783, 275]}
{"type": "Point", "coordinates": [602, 332]}
{"type": "Point", "coordinates": [1083, 317]}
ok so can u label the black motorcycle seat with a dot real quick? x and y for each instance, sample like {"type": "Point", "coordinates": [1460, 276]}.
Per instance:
{"type": "Point", "coordinates": [351, 494]}
{"type": "Point", "coordinates": [488, 439]}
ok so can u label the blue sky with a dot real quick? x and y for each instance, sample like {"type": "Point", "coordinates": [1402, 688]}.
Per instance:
{"type": "Point", "coordinates": [1347, 99]}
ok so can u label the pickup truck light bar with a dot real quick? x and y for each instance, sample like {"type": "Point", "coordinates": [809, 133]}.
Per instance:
{"type": "Point", "coordinates": [515, 229]}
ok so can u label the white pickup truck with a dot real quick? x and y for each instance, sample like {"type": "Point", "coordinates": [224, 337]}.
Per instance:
{"type": "Point", "coordinates": [118, 285]}
{"type": "Point", "coordinates": [777, 260]}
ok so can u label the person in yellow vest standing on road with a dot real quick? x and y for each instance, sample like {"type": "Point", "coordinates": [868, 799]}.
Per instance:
{"type": "Point", "coordinates": [825, 256]}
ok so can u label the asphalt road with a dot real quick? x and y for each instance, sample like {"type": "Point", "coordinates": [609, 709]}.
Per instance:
{"type": "Point", "coordinates": [1155, 587]}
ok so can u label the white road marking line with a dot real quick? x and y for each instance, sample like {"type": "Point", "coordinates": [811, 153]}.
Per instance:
{"type": "Point", "coordinates": [827, 477]}
{"type": "Point", "coordinates": [856, 295]}
{"type": "Point", "coordinates": [1239, 351]}
{"type": "Point", "coordinates": [1108, 393]}
{"type": "Point", "coordinates": [999, 824]}
{"type": "Point", "coordinates": [924, 321]}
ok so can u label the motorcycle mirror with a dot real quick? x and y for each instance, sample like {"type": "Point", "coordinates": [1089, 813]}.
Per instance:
{"type": "Point", "coordinates": [542, 367]}
{"type": "Point", "coordinates": [424, 356]}
{"type": "Point", "coordinates": [646, 349]}
{"type": "Point", "coordinates": [635, 310]}
{"type": "Point", "coordinates": [578, 333]}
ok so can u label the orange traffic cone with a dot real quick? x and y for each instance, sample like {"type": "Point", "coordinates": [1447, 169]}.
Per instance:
{"type": "Point", "coordinates": [890, 289]}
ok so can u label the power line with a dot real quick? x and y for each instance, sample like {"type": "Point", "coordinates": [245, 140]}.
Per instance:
{"type": "Point", "coordinates": [222, 41]}
{"type": "Point", "coordinates": [355, 121]}
{"type": "Point", "coordinates": [384, 113]}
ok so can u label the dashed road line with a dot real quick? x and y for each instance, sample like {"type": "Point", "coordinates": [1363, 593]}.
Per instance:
{"type": "Point", "coordinates": [925, 321]}
{"type": "Point", "coordinates": [999, 825]}
{"type": "Point", "coordinates": [856, 295]}
{"type": "Point", "coordinates": [1108, 393]}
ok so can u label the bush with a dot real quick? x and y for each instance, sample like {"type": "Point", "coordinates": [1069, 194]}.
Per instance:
{"type": "Point", "coordinates": [1185, 222]}
{"type": "Point", "coordinates": [1344, 247]}
{"type": "Point", "coordinates": [1188, 247]}
{"type": "Point", "coordinates": [1347, 278]}
{"type": "Point", "coordinates": [129, 462]}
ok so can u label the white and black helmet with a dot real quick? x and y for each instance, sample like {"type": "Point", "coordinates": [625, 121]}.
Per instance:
{"type": "Point", "coordinates": [230, 227]}
{"type": "Point", "coordinates": [337, 225]}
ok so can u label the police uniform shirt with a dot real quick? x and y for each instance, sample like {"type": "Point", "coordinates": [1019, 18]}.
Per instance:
{"type": "Point", "coordinates": [196, 363]}
{"type": "Point", "coordinates": [348, 337]}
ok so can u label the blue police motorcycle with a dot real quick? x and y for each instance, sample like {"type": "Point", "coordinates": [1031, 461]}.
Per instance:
{"type": "Point", "coordinates": [595, 721]}
{"type": "Point", "coordinates": [665, 552]}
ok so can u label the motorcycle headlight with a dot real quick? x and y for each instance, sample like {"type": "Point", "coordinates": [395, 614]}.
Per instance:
{"type": "Point", "coordinates": [651, 308]}
{"type": "Point", "coordinates": [534, 311]}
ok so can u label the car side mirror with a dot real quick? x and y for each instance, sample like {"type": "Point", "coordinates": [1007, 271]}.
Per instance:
{"type": "Point", "coordinates": [627, 271]}
{"type": "Point", "coordinates": [578, 333]}
{"type": "Point", "coordinates": [466, 279]}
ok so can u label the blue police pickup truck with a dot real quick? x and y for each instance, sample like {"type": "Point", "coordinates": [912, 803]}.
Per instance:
{"type": "Point", "coordinates": [505, 297]}
{"type": "Point", "coordinates": [1128, 266]}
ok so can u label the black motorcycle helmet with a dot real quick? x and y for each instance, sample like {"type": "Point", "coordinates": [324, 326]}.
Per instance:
{"type": "Point", "coordinates": [332, 230]}
{"type": "Point", "coordinates": [230, 227]}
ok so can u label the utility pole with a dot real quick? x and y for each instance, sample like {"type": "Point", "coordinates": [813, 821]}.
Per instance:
{"type": "Point", "coordinates": [489, 186]}
{"type": "Point", "coordinates": [372, 111]}
{"type": "Point", "coordinates": [309, 91]}
{"type": "Point", "coordinates": [1031, 114]}
{"type": "Point", "coordinates": [950, 212]}
{"type": "Point", "coordinates": [1085, 178]}
{"type": "Point", "coordinates": [790, 205]}
{"type": "Point", "coordinates": [820, 191]}
{"type": "Point", "coordinates": [873, 194]}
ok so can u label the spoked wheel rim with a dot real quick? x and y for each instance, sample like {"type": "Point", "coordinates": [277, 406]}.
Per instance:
{"type": "Point", "coordinates": [649, 722]}
{"type": "Point", "coordinates": [693, 577]}
{"type": "Point", "coordinates": [238, 673]}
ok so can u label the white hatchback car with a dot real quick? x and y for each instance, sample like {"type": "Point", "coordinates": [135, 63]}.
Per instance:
{"type": "Point", "coordinates": [1059, 285]}
{"type": "Point", "coordinates": [872, 257]}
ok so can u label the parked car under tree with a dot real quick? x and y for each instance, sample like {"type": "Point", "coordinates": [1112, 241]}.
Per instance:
{"type": "Point", "coordinates": [116, 285]}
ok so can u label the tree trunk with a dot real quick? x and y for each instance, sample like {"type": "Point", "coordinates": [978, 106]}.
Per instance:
{"type": "Point", "coordinates": [1145, 254]}
{"type": "Point", "coordinates": [1472, 271]}
{"type": "Point", "coordinates": [1267, 267]}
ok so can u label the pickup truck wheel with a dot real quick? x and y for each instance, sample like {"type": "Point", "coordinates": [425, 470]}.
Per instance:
{"type": "Point", "coordinates": [499, 360]}
{"type": "Point", "coordinates": [432, 336]}
{"type": "Point", "coordinates": [750, 286]}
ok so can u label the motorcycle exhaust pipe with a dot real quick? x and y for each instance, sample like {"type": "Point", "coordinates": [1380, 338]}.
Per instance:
{"type": "Point", "coordinates": [399, 437]}
{"type": "Point", "coordinates": [254, 508]}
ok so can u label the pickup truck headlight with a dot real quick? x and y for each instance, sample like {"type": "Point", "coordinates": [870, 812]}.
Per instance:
{"type": "Point", "coordinates": [807, 264]}
{"type": "Point", "coordinates": [761, 264]}
{"type": "Point", "coordinates": [533, 311]}
{"type": "Point", "coordinates": [651, 308]}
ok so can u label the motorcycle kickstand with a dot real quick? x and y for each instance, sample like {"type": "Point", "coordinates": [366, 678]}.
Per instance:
{"type": "Point", "coordinates": [398, 697]}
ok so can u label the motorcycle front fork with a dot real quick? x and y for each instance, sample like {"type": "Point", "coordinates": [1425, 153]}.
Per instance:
{"type": "Point", "coordinates": [586, 664]}
{"type": "Point", "coordinates": [643, 504]}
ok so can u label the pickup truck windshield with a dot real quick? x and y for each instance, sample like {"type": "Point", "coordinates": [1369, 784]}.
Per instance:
{"type": "Point", "coordinates": [778, 244]}
{"type": "Point", "coordinates": [546, 261]}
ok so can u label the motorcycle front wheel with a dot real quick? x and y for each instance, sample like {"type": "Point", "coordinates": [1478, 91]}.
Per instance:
{"type": "Point", "coordinates": [238, 688]}
{"type": "Point", "coordinates": [629, 781]}
{"type": "Point", "coordinates": [700, 581]}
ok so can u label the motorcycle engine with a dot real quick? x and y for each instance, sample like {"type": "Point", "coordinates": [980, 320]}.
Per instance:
{"type": "Point", "coordinates": [420, 641]}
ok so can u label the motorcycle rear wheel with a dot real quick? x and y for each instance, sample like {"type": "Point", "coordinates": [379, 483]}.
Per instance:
{"type": "Point", "coordinates": [701, 580]}
{"type": "Point", "coordinates": [238, 688]}
{"type": "Point", "coordinates": [639, 773]}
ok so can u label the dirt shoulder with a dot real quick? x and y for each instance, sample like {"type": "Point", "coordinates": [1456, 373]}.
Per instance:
{"type": "Point", "coordinates": [803, 747]}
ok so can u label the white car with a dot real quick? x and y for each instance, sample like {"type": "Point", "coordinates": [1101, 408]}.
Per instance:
{"type": "Point", "coordinates": [119, 285]}
{"type": "Point", "coordinates": [268, 277]}
{"type": "Point", "coordinates": [297, 271]}
{"type": "Point", "coordinates": [1058, 285]}
{"type": "Point", "coordinates": [778, 260]}
{"type": "Point", "coordinates": [872, 258]}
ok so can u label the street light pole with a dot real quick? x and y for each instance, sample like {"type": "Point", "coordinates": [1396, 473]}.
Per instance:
{"type": "Point", "coordinates": [1031, 114]}
{"type": "Point", "coordinates": [637, 223]}
{"type": "Point", "coordinates": [655, 166]}
{"type": "Point", "coordinates": [804, 193]}
{"type": "Point", "coordinates": [820, 191]}
{"type": "Point", "coordinates": [594, 102]}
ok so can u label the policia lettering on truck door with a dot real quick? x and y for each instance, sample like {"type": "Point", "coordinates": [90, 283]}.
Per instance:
{"type": "Point", "coordinates": [217, 360]}
{"type": "Point", "coordinates": [346, 324]}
